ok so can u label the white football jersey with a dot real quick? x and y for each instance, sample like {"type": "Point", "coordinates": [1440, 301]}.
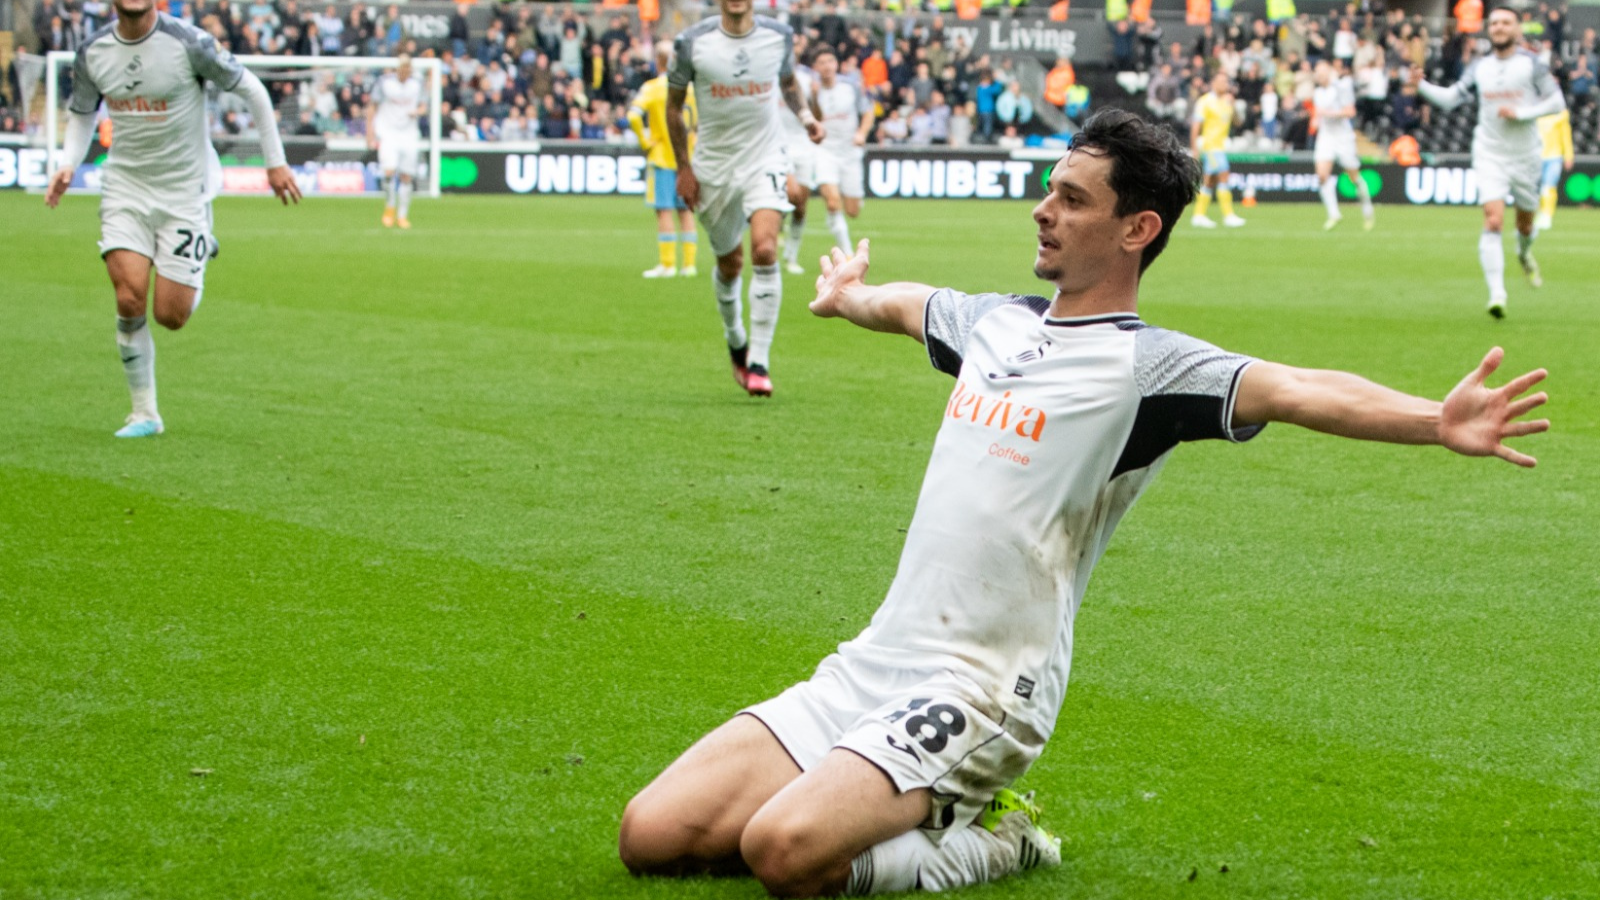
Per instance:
{"type": "Point", "coordinates": [795, 133]}
{"type": "Point", "coordinates": [397, 102]}
{"type": "Point", "coordinates": [843, 105]}
{"type": "Point", "coordinates": [1520, 81]}
{"type": "Point", "coordinates": [735, 80]}
{"type": "Point", "coordinates": [154, 90]}
{"type": "Point", "coordinates": [1054, 428]}
{"type": "Point", "coordinates": [1330, 103]}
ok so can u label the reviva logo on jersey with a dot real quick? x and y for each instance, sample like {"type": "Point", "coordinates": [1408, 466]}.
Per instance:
{"type": "Point", "coordinates": [136, 104]}
{"type": "Point", "coordinates": [747, 89]}
{"type": "Point", "coordinates": [998, 413]}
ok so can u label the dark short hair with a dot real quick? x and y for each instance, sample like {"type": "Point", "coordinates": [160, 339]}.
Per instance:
{"type": "Point", "coordinates": [823, 49]}
{"type": "Point", "coordinates": [1150, 170]}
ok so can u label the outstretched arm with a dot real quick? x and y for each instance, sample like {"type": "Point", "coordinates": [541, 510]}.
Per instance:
{"type": "Point", "coordinates": [1474, 420]}
{"type": "Point", "coordinates": [789, 85]}
{"type": "Point", "coordinates": [895, 307]}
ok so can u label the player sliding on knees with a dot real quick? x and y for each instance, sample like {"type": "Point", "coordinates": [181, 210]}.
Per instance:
{"type": "Point", "coordinates": [161, 173]}
{"type": "Point", "coordinates": [1514, 90]}
{"type": "Point", "coordinates": [738, 172]}
{"type": "Point", "coordinates": [891, 768]}
{"type": "Point", "coordinates": [398, 102]}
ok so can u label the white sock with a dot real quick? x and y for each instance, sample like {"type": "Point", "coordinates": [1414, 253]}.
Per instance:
{"type": "Point", "coordinates": [912, 862]}
{"type": "Point", "coordinates": [766, 295]}
{"type": "Point", "coordinates": [404, 207]}
{"type": "Point", "coordinates": [791, 244]}
{"type": "Point", "coordinates": [392, 197]}
{"type": "Point", "coordinates": [728, 305]}
{"type": "Point", "coordinates": [1525, 242]}
{"type": "Point", "coordinates": [841, 230]}
{"type": "Point", "coordinates": [1365, 195]}
{"type": "Point", "coordinates": [1330, 195]}
{"type": "Point", "coordinates": [1491, 255]}
{"type": "Point", "coordinates": [138, 351]}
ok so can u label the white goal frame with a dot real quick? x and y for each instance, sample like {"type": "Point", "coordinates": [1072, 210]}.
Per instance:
{"type": "Point", "coordinates": [435, 69]}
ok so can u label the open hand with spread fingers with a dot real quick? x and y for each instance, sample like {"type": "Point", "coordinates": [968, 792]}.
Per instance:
{"type": "Point", "coordinates": [839, 273]}
{"type": "Point", "coordinates": [1476, 420]}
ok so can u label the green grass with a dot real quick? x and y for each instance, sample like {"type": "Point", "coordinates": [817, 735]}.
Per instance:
{"type": "Point", "coordinates": [458, 536]}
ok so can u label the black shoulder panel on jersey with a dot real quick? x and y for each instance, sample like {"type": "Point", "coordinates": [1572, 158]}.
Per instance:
{"type": "Point", "coordinates": [1163, 422]}
{"type": "Point", "coordinates": [944, 359]}
{"type": "Point", "coordinates": [1034, 302]}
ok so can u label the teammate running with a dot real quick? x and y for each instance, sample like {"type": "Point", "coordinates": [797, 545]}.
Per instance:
{"type": "Point", "coordinates": [1513, 89]}
{"type": "Point", "coordinates": [397, 102]}
{"type": "Point", "coordinates": [738, 63]}
{"type": "Point", "coordinates": [1334, 104]}
{"type": "Point", "coordinates": [161, 173]}
{"type": "Point", "coordinates": [889, 770]}
{"type": "Point", "coordinates": [802, 180]}
{"type": "Point", "coordinates": [847, 117]}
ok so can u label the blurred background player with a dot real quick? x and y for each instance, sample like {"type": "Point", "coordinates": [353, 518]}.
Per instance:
{"type": "Point", "coordinates": [160, 175]}
{"type": "Point", "coordinates": [847, 118]}
{"type": "Point", "coordinates": [1555, 131]}
{"type": "Point", "coordinates": [648, 119]}
{"type": "Point", "coordinates": [802, 178]}
{"type": "Point", "coordinates": [1514, 90]}
{"type": "Point", "coordinates": [397, 102]}
{"type": "Point", "coordinates": [1334, 107]}
{"type": "Point", "coordinates": [738, 63]}
{"type": "Point", "coordinates": [1208, 135]}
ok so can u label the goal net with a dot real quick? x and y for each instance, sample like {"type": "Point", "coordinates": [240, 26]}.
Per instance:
{"type": "Point", "coordinates": [321, 104]}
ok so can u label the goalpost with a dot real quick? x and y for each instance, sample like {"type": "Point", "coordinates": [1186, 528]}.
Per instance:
{"type": "Point", "coordinates": [303, 70]}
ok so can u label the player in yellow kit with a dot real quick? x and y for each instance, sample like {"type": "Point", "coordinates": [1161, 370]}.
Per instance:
{"type": "Point", "coordinates": [1208, 136]}
{"type": "Point", "coordinates": [1556, 132]}
{"type": "Point", "coordinates": [648, 118]}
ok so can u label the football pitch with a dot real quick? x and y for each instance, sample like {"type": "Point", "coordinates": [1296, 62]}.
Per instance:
{"type": "Point", "coordinates": [458, 536]}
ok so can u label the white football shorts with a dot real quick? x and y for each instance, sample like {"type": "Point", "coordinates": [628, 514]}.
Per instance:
{"type": "Point", "coordinates": [842, 168]}
{"type": "Point", "coordinates": [1500, 178]}
{"type": "Point", "coordinates": [803, 163]}
{"type": "Point", "coordinates": [399, 155]}
{"type": "Point", "coordinates": [176, 237]}
{"type": "Point", "coordinates": [724, 209]}
{"type": "Point", "coordinates": [1338, 149]}
{"type": "Point", "coordinates": [923, 730]}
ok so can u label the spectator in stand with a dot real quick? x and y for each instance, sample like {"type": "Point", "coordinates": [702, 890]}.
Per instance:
{"type": "Point", "coordinates": [1582, 82]}
{"type": "Point", "coordinates": [939, 115]}
{"type": "Point", "coordinates": [1013, 107]}
{"type": "Point", "coordinates": [1247, 96]}
{"type": "Point", "coordinates": [892, 130]}
{"type": "Point", "coordinates": [488, 130]}
{"type": "Point", "coordinates": [961, 117]}
{"type": "Point", "coordinates": [1405, 112]}
{"type": "Point", "coordinates": [331, 27]}
{"type": "Point", "coordinates": [900, 72]}
{"type": "Point", "coordinates": [1166, 97]}
{"type": "Point", "coordinates": [1011, 140]}
{"type": "Point", "coordinates": [954, 86]}
{"type": "Point", "coordinates": [920, 128]}
{"type": "Point", "coordinates": [874, 72]}
{"type": "Point", "coordinates": [922, 86]}
{"type": "Point", "coordinates": [1372, 91]}
{"type": "Point", "coordinates": [1058, 82]}
{"type": "Point", "coordinates": [985, 99]}
{"type": "Point", "coordinates": [1122, 53]}
{"type": "Point", "coordinates": [1269, 113]}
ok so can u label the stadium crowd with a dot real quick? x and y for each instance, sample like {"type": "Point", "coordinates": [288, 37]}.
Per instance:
{"type": "Point", "coordinates": [554, 71]}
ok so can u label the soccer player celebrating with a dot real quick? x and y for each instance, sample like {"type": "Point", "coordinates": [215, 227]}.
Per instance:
{"type": "Point", "coordinates": [1555, 131]}
{"type": "Point", "coordinates": [738, 62]}
{"type": "Point", "coordinates": [1213, 119]}
{"type": "Point", "coordinates": [159, 178]}
{"type": "Point", "coordinates": [889, 769]}
{"type": "Point", "coordinates": [648, 119]}
{"type": "Point", "coordinates": [1334, 106]}
{"type": "Point", "coordinates": [1514, 89]}
{"type": "Point", "coordinates": [397, 102]}
{"type": "Point", "coordinates": [847, 117]}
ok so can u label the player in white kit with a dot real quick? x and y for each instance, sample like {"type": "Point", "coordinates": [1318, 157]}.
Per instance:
{"type": "Point", "coordinates": [398, 100]}
{"type": "Point", "coordinates": [739, 63]}
{"type": "Point", "coordinates": [847, 117]}
{"type": "Point", "coordinates": [1513, 89]}
{"type": "Point", "coordinates": [1334, 105]}
{"type": "Point", "coordinates": [160, 175]}
{"type": "Point", "coordinates": [802, 179]}
{"type": "Point", "coordinates": [887, 770]}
